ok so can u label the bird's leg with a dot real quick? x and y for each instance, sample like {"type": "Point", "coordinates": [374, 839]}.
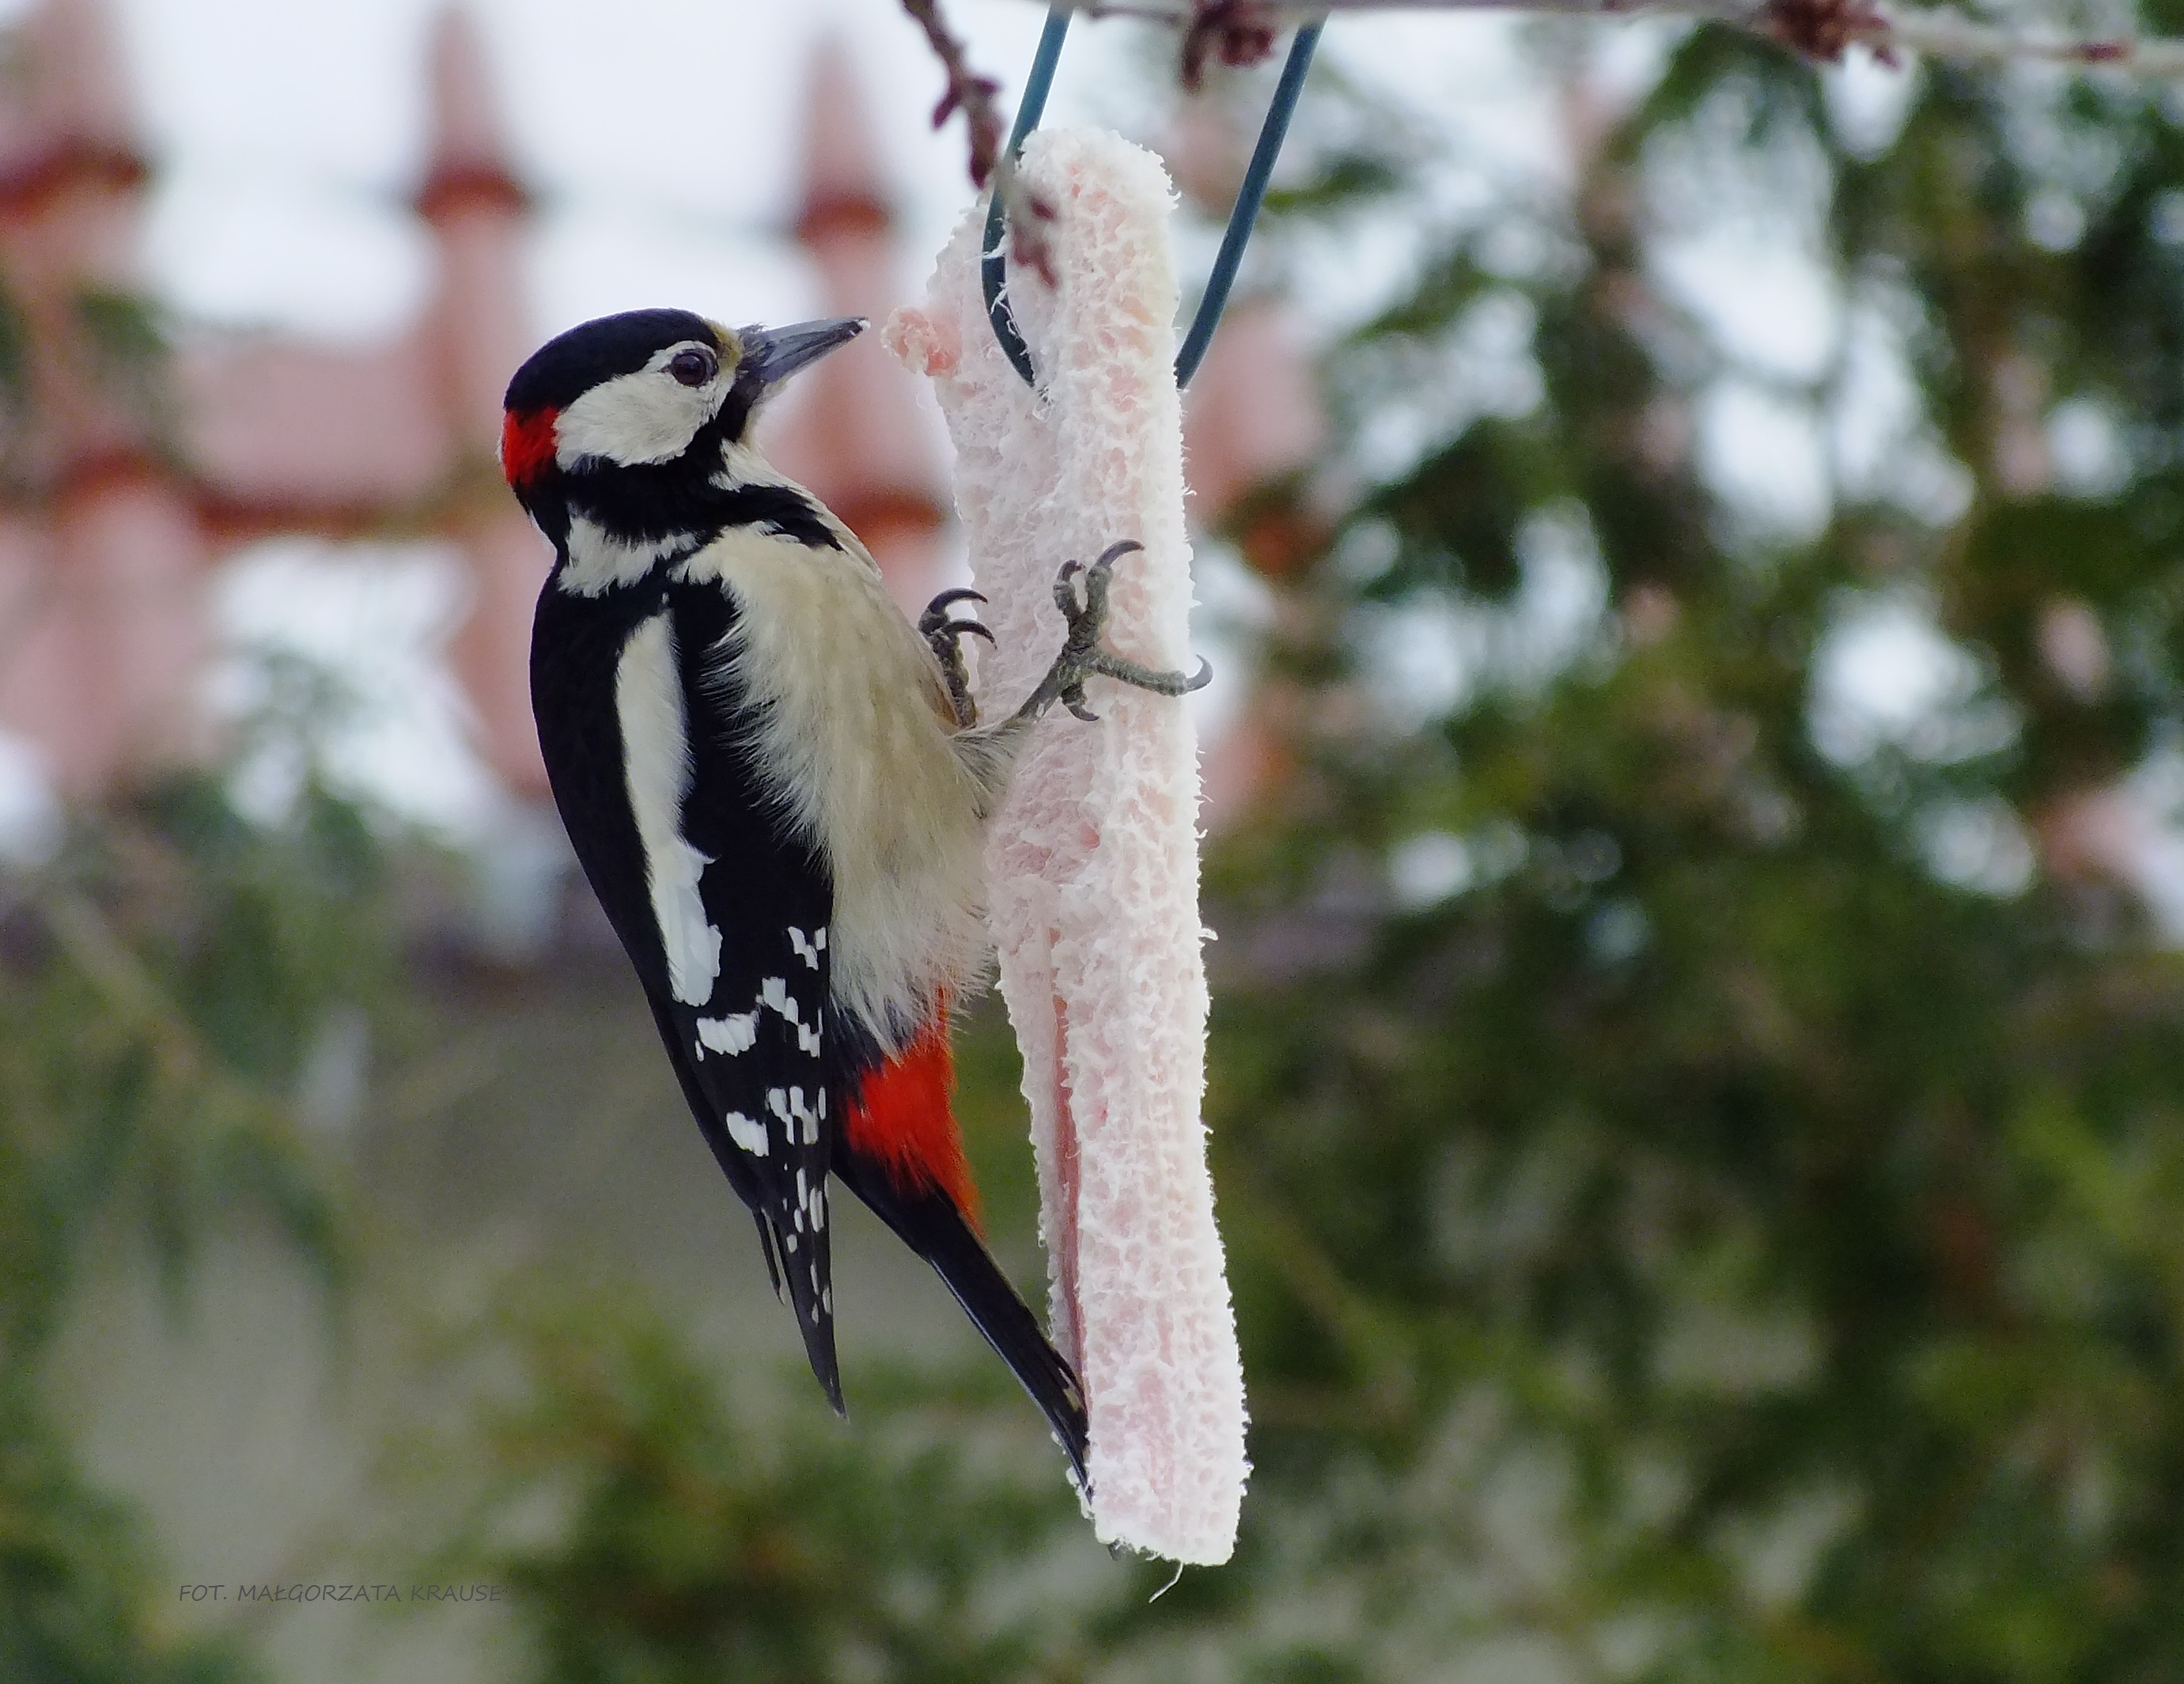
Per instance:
{"type": "Point", "coordinates": [1082, 654]}
{"type": "Point", "coordinates": [944, 636]}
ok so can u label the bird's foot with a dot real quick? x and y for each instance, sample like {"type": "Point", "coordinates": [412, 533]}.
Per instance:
{"type": "Point", "coordinates": [1082, 653]}
{"type": "Point", "coordinates": [945, 634]}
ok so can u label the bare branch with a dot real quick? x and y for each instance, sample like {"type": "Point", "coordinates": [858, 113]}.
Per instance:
{"type": "Point", "coordinates": [967, 92]}
{"type": "Point", "coordinates": [1951, 35]}
{"type": "Point", "coordinates": [1238, 32]}
{"type": "Point", "coordinates": [1820, 29]}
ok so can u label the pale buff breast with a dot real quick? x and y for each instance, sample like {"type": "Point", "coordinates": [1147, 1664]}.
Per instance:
{"type": "Point", "coordinates": [854, 738]}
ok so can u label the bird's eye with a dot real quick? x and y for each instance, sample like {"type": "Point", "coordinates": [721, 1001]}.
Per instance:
{"type": "Point", "coordinates": [694, 367]}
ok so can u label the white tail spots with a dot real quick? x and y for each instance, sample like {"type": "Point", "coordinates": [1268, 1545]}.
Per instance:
{"type": "Point", "coordinates": [808, 949]}
{"type": "Point", "coordinates": [826, 1300]}
{"type": "Point", "coordinates": [746, 1132]}
{"type": "Point", "coordinates": [818, 1202]}
{"type": "Point", "coordinates": [733, 1033]}
{"type": "Point", "coordinates": [791, 1106]}
{"type": "Point", "coordinates": [774, 992]}
{"type": "Point", "coordinates": [656, 769]}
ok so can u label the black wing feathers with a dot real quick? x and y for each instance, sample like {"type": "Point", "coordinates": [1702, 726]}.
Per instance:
{"type": "Point", "coordinates": [750, 1057]}
{"type": "Point", "coordinates": [756, 1048]}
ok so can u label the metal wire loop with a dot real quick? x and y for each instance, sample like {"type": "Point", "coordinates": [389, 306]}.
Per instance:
{"type": "Point", "coordinates": [994, 263]}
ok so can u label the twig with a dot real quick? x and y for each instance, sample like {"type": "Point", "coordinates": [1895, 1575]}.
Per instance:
{"type": "Point", "coordinates": [1821, 29]}
{"type": "Point", "coordinates": [1240, 33]}
{"type": "Point", "coordinates": [967, 92]}
{"type": "Point", "coordinates": [1950, 35]}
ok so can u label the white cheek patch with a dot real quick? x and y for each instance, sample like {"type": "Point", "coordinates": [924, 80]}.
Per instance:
{"type": "Point", "coordinates": [647, 417]}
{"type": "Point", "coordinates": [656, 757]}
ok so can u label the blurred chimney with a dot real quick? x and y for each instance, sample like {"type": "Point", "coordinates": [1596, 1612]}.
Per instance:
{"type": "Point", "coordinates": [68, 110]}
{"type": "Point", "coordinates": [476, 333]}
{"type": "Point", "coordinates": [852, 429]}
{"type": "Point", "coordinates": [102, 584]}
{"type": "Point", "coordinates": [476, 208]}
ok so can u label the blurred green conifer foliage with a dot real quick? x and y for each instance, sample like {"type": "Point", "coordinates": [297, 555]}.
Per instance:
{"type": "Point", "coordinates": [653, 1523]}
{"type": "Point", "coordinates": [160, 983]}
{"type": "Point", "coordinates": [1700, 1149]}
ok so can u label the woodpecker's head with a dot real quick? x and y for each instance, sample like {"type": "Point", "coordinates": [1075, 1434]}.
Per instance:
{"type": "Point", "coordinates": [627, 422]}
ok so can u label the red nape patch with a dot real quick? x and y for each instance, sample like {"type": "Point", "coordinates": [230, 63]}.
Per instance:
{"type": "Point", "coordinates": [527, 444]}
{"type": "Point", "coordinates": [901, 1117]}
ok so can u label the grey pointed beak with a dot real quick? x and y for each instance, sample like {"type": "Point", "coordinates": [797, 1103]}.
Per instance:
{"type": "Point", "coordinates": [772, 355]}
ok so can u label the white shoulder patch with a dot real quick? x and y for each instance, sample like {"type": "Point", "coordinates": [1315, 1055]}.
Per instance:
{"type": "Point", "coordinates": [656, 762]}
{"type": "Point", "coordinates": [598, 561]}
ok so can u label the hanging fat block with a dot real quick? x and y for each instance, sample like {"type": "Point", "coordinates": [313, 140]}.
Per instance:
{"type": "Point", "coordinates": [1093, 859]}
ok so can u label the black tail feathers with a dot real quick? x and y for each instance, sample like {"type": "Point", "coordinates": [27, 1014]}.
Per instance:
{"type": "Point", "coordinates": [928, 1223]}
{"type": "Point", "coordinates": [802, 1269]}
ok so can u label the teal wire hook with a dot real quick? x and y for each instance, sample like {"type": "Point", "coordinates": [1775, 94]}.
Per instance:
{"type": "Point", "coordinates": [994, 263]}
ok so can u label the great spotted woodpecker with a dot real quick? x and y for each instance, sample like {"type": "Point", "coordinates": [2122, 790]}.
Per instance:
{"type": "Point", "coordinates": [777, 786]}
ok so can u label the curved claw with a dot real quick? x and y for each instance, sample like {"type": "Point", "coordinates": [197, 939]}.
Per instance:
{"type": "Point", "coordinates": [943, 636]}
{"type": "Point", "coordinates": [1149, 677]}
{"type": "Point", "coordinates": [1082, 653]}
{"type": "Point", "coordinates": [935, 619]}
